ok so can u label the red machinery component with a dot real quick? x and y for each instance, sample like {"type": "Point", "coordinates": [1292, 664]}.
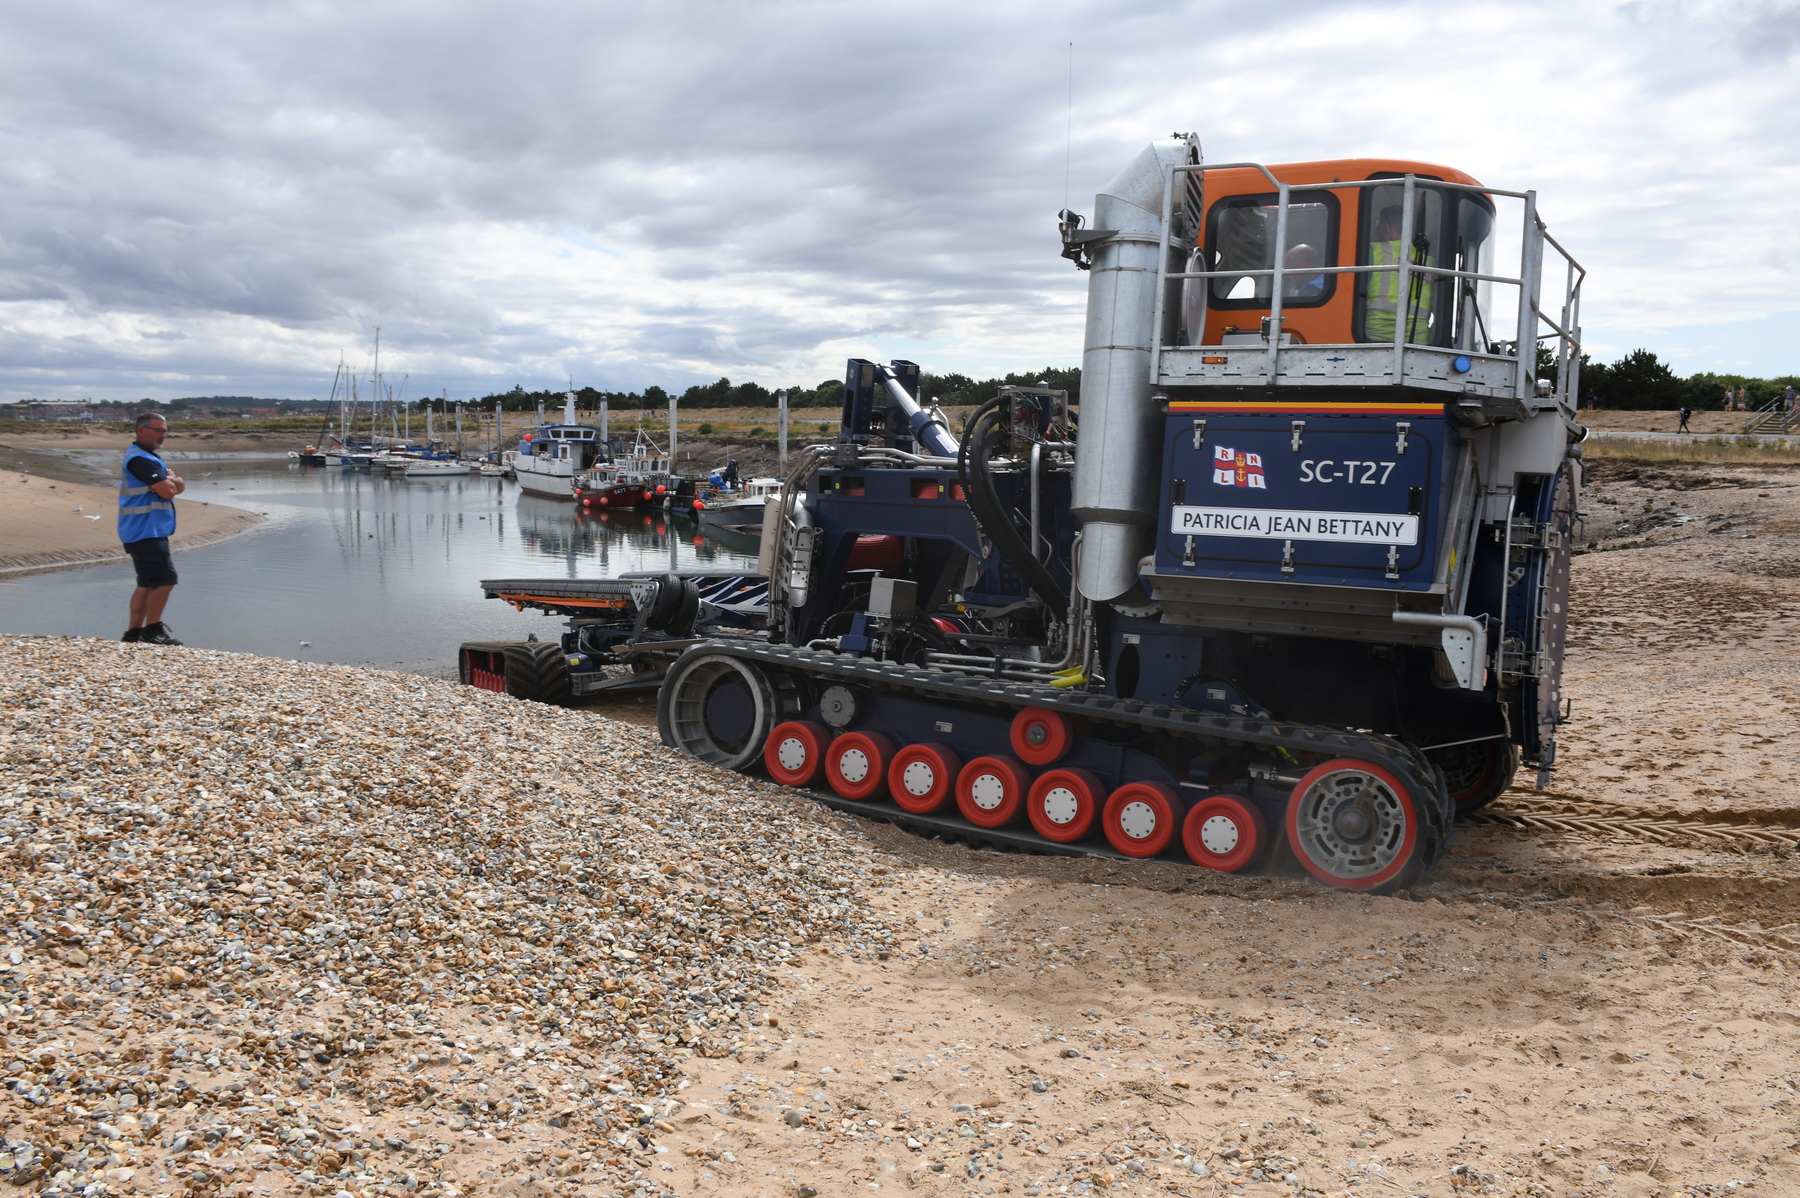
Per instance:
{"type": "Point", "coordinates": [922, 778]}
{"type": "Point", "coordinates": [1140, 818]}
{"type": "Point", "coordinates": [990, 791]}
{"type": "Point", "coordinates": [795, 754]}
{"type": "Point", "coordinates": [1064, 804]}
{"type": "Point", "coordinates": [856, 763]}
{"type": "Point", "coordinates": [1224, 832]}
{"type": "Point", "coordinates": [1041, 736]}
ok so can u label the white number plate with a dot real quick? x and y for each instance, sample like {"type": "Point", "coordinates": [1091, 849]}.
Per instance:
{"type": "Point", "coordinates": [1360, 528]}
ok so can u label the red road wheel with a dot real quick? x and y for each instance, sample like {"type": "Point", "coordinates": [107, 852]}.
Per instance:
{"type": "Point", "coordinates": [856, 763]}
{"type": "Point", "coordinates": [1224, 832]}
{"type": "Point", "coordinates": [1041, 736]}
{"type": "Point", "coordinates": [923, 777]}
{"type": "Point", "coordinates": [795, 754]}
{"type": "Point", "coordinates": [1140, 818]}
{"type": "Point", "coordinates": [990, 791]}
{"type": "Point", "coordinates": [1063, 804]}
{"type": "Point", "coordinates": [1352, 824]}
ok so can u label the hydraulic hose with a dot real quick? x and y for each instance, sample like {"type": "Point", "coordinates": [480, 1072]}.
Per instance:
{"type": "Point", "coordinates": [991, 516]}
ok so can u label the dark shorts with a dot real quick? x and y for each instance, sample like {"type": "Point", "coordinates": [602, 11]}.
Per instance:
{"type": "Point", "coordinates": [151, 557]}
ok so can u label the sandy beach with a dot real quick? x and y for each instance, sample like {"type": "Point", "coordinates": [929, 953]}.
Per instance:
{"type": "Point", "coordinates": [51, 523]}
{"type": "Point", "coordinates": [538, 954]}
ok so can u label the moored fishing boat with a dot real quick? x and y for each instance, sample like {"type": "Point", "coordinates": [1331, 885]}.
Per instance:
{"type": "Point", "coordinates": [628, 479]}
{"type": "Point", "coordinates": [739, 510]}
{"type": "Point", "coordinates": [551, 456]}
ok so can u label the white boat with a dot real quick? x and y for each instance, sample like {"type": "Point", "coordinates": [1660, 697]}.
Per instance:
{"type": "Point", "coordinates": [437, 468]}
{"type": "Point", "coordinates": [551, 455]}
{"type": "Point", "coordinates": [739, 511]}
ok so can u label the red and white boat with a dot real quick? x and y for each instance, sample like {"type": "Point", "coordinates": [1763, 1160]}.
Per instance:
{"type": "Point", "coordinates": [628, 480]}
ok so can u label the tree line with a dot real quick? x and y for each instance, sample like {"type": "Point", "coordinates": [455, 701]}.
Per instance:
{"type": "Point", "coordinates": [1639, 381]}
{"type": "Point", "coordinates": [950, 390]}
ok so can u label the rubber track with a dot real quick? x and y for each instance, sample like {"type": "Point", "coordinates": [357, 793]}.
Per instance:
{"type": "Point", "coordinates": [1303, 738]}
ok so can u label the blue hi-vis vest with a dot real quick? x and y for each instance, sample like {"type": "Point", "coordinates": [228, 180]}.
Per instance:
{"type": "Point", "coordinates": [142, 512]}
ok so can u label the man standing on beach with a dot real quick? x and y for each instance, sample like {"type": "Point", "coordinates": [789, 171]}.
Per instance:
{"type": "Point", "coordinates": [147, 492]}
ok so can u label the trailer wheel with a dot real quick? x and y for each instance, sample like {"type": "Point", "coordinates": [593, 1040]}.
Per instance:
{"type": "Point", "coordinates": [1225, 833]}
{"type": "Point", "coordinates": [1141, 818]}
{"type": "Point", "coordinates": [716, 708]}
{"type": "Point", "coordinates": [1353, 824]}
{"type": "Point", "coordinates": [1063, 805]}
{"type": "Point", "coordinates": [1041, 736]}
{"type": "Point", "coordinates": [923, 777]}
{"type": "Point", "coordinates": [537, 671]}
{"type": "Point", "coordinates": [990, 791]}
{"type": "Point", "coordinates": [856, 763]}
{"type": "Point", "coordinates": [795, 754]}
{"type": "Point", "coordinates": [1477, 774]}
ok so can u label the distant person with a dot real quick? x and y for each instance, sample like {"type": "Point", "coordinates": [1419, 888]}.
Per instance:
{"type": "Point", "coordinates": [1743, 399]}
{"type": "Point", "coordinates": [1730, 397]}
{"type": "Point", "coordinates": [147, 491]}
{"type": "Point", "coordinates": [1593, 401]}
{"type": "Point", "coordinates": [1685, 413]}
{"type": "Point", "coordinates": [1787, 399]}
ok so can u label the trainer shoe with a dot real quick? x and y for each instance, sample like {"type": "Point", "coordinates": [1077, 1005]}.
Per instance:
{"type": "Point", "coordinates": [131, 635]}
{"type": "Point", "coordinates": [156, 634]}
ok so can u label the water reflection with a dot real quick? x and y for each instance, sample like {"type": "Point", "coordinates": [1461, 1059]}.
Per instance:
{"type": "Point", "coordinates": [370, 569]}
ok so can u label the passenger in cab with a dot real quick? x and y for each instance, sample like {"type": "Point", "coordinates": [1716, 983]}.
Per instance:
{"type": "Point", "coordinates": [1296, 283]}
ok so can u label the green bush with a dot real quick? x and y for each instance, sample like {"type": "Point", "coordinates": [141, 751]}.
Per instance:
{"type": "Point", "coordinates": [705, 429]}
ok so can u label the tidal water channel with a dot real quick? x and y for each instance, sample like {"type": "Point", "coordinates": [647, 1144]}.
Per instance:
{"type": "Point", "coordinates": [363, 569]}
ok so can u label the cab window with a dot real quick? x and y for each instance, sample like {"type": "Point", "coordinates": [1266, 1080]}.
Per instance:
{"type": "Point", "coordinates": [1241, 236]}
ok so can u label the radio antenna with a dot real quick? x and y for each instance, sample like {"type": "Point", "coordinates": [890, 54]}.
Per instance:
{"type": "Point", "coordinates": [1069, 128]}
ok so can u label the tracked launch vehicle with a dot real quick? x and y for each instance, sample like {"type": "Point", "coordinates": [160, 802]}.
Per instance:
{"type": "Point", "coordinates": [1284, 586]}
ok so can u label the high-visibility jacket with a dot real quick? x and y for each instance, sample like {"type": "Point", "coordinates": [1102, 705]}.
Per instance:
{"type": "Point", "coordinates": [142, 512]}
{"type": "Point", "coordinates": [1382, 299]}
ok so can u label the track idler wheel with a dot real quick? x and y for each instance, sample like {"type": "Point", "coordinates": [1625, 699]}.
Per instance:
{"type": "Point", "coordinates": [717, 708]}
{"type": "Point", "coordinates": [1041, 736]}
{"type": "Point", "coordinates": [1225, 833]}
{"type": "Point", "coordinates": [1353, 824]}
{"type": "Point", "coordinates": [1141, 818]}
{"type": "Point", "coordinates": [856, 763]}
{"type": "Point", "coordinates": [795, 754]}
{"type": "Point", "coordinates": [991, 790]}
{"type": "Point", "coordinates": [1063, 805]}
{"type": "Point", "coordinates": [922, 778]}
{"type": "Point", "coordinates": [1476, 774]}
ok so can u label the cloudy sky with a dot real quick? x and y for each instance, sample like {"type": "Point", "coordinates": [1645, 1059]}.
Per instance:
{"type": "Point", "coordinates": [223, 199]}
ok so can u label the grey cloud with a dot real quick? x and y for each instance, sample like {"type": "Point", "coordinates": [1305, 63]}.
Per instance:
{"type": "Point", "coordinates": [738, 184]}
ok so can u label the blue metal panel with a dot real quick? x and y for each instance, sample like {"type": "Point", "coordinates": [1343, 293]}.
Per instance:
{"type": "Point", "coordinates": [1334, 502]}
{"type": "Point", "coordinates": [859, 401]}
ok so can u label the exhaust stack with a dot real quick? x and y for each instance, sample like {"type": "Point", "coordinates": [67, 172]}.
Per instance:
{"type": "Point", "coordinates": [1118, 462]}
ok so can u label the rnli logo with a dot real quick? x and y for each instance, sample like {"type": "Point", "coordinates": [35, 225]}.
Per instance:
{"type": "Point", "coordinates": [1234, 468]}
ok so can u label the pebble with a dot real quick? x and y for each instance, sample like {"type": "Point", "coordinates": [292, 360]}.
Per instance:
{"type": "Point", "coordinates": [231, 883]}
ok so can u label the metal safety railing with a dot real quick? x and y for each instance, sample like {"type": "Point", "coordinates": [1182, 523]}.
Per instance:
{"type": "Point", "coordinates": [1534, 237]}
